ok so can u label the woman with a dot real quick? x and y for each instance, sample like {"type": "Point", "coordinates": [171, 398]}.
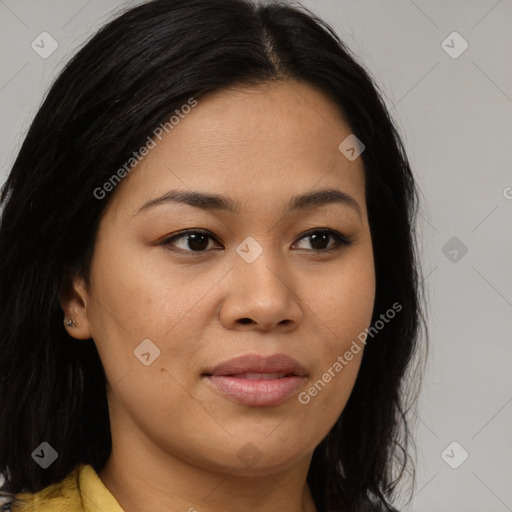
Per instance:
{"type": "Point", "coordinates": [210, 285]}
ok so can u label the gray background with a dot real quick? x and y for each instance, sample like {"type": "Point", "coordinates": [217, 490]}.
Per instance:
{"type": "Point", "coordinates": [454, 115]}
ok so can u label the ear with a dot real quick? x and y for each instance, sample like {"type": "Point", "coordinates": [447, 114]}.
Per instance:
{"type": "Point", "coordinates": [73, 299]}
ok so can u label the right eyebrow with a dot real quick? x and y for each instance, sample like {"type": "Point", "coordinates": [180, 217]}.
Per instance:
{"type": "Point", "coordinates": [207, 201]}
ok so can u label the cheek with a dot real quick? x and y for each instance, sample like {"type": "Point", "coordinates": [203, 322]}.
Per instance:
{"type": "Point", "coordinates": [158, 403]}
{"type": "Point", "coordinates": [343, 298]}
{"type": "Point", "coordinates": [342, 306]}
{"type": "Point", "coordinates": [146, 299]}
{"type": "Point", "coordinates": [143, 296]}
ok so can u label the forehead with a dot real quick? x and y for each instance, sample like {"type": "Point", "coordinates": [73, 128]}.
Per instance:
{"type": "Point", "coordinates": [278, 139]}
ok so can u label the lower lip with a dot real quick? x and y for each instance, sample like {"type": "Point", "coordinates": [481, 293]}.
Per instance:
{"type": "Point", "coordinates": [256, 392]}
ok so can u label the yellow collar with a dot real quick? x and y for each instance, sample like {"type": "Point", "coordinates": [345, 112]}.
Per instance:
{"type": "Point", "coordinates": [81, 491]}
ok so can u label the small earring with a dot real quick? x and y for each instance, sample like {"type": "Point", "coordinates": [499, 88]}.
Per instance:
{"type": "Point", "coordinates": [70, 322]}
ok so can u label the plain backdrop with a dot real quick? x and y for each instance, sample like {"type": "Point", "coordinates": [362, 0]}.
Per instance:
{"type": "Point", "coordinates": [445, 71]}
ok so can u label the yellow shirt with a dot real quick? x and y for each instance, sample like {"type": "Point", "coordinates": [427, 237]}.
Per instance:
{"type": "Point", "coordinates": [81, 491]}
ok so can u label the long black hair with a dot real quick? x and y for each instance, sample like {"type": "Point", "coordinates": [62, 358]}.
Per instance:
{"type": "Point", "coordinates": [126, 81]}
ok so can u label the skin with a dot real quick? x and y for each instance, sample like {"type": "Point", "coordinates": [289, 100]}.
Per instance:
{"type": "Point", "coordinates": [176, 440]}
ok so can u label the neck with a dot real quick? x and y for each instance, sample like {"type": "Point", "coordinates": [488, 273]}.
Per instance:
{"type": "Point", "coordinates": [141, 476]}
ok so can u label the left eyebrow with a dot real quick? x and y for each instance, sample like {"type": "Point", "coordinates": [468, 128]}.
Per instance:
{"type": "Point", "coordinates": [324, 197]}
{"type": "Point", "coordinates": [207, 201]}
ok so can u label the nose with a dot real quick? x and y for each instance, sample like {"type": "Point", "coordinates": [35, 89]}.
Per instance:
{"type": "Point", "coordinates": [262, 296]}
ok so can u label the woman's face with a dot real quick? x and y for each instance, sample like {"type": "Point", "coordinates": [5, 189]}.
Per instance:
{"type": "Point", "coordinates": [267, 279]}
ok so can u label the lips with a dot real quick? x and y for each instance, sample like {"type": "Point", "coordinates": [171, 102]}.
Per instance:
{"type": "Point", "coordinates": [264, 376]}
{"type": "Point", "coordinates": [257, 381]}
{"type": "Point", "coordinates": [271, 367]}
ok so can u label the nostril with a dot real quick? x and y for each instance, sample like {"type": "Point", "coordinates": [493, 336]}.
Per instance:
{"type": "Point", "coordinates": [245, 320]}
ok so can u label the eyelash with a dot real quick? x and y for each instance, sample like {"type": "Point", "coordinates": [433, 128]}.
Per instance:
{"type": "Point", "coordinates": [341, 240]}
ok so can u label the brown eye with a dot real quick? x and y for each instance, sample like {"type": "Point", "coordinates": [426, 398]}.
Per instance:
{"type": "Point", "coordinates": [197, 241]}
{"type": "Point", "coordinates": [193, 241]}
{"type": "Point", "coordinates": [319, 240]}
